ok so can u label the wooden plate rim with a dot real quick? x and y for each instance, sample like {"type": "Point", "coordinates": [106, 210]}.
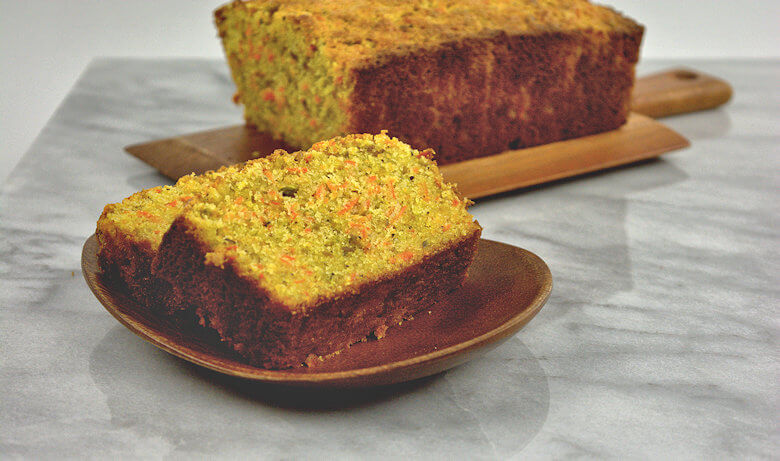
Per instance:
{"type": "Point", "coordinates": [339, 378]}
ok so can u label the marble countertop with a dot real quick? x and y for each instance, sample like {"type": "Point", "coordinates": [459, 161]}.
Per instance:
{"type": "Point", "coordinates": [660, 339]}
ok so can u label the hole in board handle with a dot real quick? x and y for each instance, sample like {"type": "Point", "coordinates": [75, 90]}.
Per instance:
{"type": "Point", "coordinates": [686, 75]}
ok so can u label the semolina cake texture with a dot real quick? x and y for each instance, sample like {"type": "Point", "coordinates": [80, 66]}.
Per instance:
{"type": "Point", "coordinates": [129, 234]}
{"type": "Point", "coordinates": [297, 255]}
{"type": "Point", "coordinates": [465, 77]}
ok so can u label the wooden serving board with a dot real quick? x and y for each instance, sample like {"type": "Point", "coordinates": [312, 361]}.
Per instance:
{"type": "Point", "coordinates": [667, 93]}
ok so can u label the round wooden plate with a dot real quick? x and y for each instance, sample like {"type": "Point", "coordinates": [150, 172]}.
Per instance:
{"type": "Point", "coordinates": [505, 288]}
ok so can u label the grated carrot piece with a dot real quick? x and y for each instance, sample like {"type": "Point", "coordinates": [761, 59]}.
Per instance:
{"type": "Point", "coordinates": [291, 211]}
{"type": "Point", "coordinates": [406, 255]}
{"type": "Point", "coordinates": [319, 191]}
{"type": "Point", "coordinates": [147, 215]}
{"type": "Point", "coordinates": [360, 226]}
{"type": "Point", "coordinates": [349, 205]}
{"type": "Point", "coordinates": [424, 190]}
{"type": "Point", "coordinates": [399, 214]}
{"type": "Point", "coordinates": [391, 186]}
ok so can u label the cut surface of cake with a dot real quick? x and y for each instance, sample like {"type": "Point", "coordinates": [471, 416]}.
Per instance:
{"type": "Point", "coordinates": [464, 77]}
{"type": "Point", "coordinates": [129, 233]}
{"type": "Point", "coordinates": [298, 255]}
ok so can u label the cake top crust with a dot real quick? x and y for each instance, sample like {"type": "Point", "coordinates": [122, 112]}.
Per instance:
{"type": "Point", "coordinates": [353, 32]}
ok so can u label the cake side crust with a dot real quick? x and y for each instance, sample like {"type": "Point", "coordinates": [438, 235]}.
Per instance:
{"type": "Point", "coordinates": [479, 97]}
{"type": "Point", "coordinates": [271, 335]}
{"type": "Point", "coordinates": [122, 259]}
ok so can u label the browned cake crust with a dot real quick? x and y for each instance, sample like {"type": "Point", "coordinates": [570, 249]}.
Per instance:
{"type": "Point", "coordinates": [130, 263]}
{"type": "Point", "coordinates": [269, 334]}
{"type": "Point", "coordinates": [482, 96]}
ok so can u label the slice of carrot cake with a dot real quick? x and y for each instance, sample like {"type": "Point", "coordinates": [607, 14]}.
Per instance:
{"type": "Point", "coordinates": [298, 255]}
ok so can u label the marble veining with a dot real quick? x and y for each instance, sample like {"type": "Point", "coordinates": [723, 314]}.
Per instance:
{"type": "Point", "coordinates": [660, 339]}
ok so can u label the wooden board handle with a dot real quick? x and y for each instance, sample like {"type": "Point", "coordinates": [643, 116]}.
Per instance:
{"type": "Point", "coordinates": [639, 139]}
{"type": "Point", "coordinates": [678, 91]}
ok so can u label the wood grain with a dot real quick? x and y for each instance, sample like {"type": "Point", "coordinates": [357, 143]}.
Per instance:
{"type": "Point", "coordinates": [678, 91]}
{"type": "Point", "coordinates": [505, 289]}
{"type": "Point", "coordinates": [640, 138]}
{"type": "Point", "coordinates": [205, 150]}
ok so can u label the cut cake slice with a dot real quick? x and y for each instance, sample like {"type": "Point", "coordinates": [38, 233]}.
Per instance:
{"type": "Point", "coordinates": [297, 255]}
{"type": "Point", "coordinates": [129, 234]}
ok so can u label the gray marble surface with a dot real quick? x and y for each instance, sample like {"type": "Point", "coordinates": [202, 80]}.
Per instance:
{"type": "Point", "coordinates": [660, 340]}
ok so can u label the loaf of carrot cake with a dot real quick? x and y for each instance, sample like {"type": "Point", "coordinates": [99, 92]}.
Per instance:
{"type": "Point", "coordinates": [297, 255]}
{"type": "Point", "coordinates": [465, 77]}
